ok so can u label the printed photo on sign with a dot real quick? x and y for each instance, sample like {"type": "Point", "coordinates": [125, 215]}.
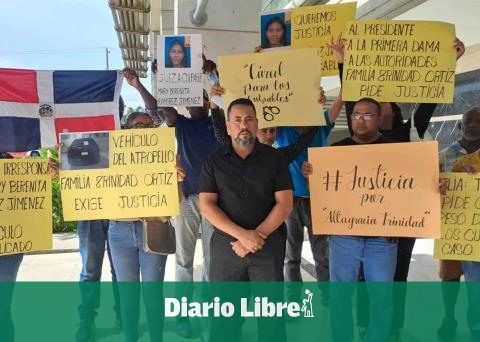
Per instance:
{"type": "Point", "coordinates": [138, 177]}
{"type": "Point", "coordinates": [275, 29]}
{"type": "Point", "coordinates": [81, 151]}
{"type": "Point", "coordinates": [179, 71]}
{"type": "Point", "coordinates": [177, 52]}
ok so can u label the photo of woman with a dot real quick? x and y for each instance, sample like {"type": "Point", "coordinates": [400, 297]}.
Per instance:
{"type": "Point", "coordinates": [275, 32]}
{"type": "Point", "coordinates": [177, 55]}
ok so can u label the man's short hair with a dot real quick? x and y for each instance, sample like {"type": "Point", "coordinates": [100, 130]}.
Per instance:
{"type": "Point", "coordinates": [240, 101]}
{"type": "Point", "coordinates": [372, 101]}
{"type": "Point", "coordinates": [134, 115]}
{"type": "Point", "coordinates": [474, 110]}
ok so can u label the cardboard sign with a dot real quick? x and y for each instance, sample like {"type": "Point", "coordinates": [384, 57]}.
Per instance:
{"type": "Point", "coordinates": [315, 26]}
{"type": "Point", "coordinates": [179, 71]}
{"type": "Point", "coordinates": [376, 190]}
{"type": "Point", "coordinates": [120, 174]}
{"type": "Point", "coordinates": [399, 61]}
{"type": "Point", "coordinates": [283, 85]}
{"type": "Point", "coordinates": [25, 206]}
{"type": "Point", "coordinates": [460, 238]}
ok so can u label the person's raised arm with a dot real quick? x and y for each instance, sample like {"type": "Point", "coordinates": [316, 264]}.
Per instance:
{"type": "Point", "coordinates": [169, 115]}
{"type": "Point", "coordinates": [425, 111]}
{"type": "Point", "coordinates": [218, 117]}
{"type": "Point", "coordinates": [338, 49]}
{"type": "Point", "coordinates": [292, 151]}
{"type": "Point", "coordinates": [133, 80]}
{"type": "Point", "coordinates": [336, 108]}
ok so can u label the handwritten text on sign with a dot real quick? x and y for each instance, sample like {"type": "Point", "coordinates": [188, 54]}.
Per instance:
{"type": "Point", "coordinates": [369, 190]}
{"type": "Point", "coordinates": [139, 179]}
{"type": "Point", "coordinates": [460, 239]}
{"type": "Point", "coordinates": [399, 61]}
{"type": "Point", "coordinates": [182, 84]}
{"type": "Point", "coordinates": [283, 85]}
{"type": "Point", "coordinates": [314, 26]}
{"type": "Point", "coordinates": [25, 206]}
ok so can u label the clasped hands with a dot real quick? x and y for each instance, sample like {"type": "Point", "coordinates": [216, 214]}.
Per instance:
{"type": "Point", "coordinates": [249, 241]}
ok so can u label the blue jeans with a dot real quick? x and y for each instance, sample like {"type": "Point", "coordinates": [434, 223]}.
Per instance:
{"type": "Point", "coordinates": [9, 265]}
{"type": "Point", "coordinates": [378, 257]}
{"type": "Point", "coordinates": [132, 263]}
{"type": "Point", "coordinates": [93, 238]}
{"type": "Point", "coordinates": [471, 270]}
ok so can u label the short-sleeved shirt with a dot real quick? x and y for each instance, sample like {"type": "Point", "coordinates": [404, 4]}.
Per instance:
{"type": "Point", "coordinates": [472, 159]}
{"type": "Point", "coordinates": [245, 187]}
{"type": "Point", "coordinates": [350, 142]}
{"type": "Point", "coordinates": [196, 140]}
{"type": "Point", "coordinates": [289, 135]}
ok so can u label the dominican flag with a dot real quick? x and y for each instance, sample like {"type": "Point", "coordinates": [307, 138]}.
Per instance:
{"type": "Point", "coordinates": [35, 106]}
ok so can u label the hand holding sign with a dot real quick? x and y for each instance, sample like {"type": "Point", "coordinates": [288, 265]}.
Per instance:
{"type": "Point", "coordinates": [459, 48]}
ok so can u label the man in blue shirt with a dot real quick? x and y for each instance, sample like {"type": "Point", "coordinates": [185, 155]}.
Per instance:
{"type": "Point", "coordinates": [301, 216]}
{"type": "Point", "coordinates": [196, 140]}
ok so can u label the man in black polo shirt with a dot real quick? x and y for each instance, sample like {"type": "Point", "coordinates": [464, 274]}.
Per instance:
{"type": "Point", "coordinates": [246, 194]}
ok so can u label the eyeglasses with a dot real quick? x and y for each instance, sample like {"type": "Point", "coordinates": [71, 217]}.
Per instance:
{"type": "Point", "coordinates": [141, 125]}
{"type": "Point", "coordinates": [364, 116]}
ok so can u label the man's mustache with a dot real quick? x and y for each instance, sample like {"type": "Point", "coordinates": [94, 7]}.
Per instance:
{"type": "Point", "coordinates": [244, 130]}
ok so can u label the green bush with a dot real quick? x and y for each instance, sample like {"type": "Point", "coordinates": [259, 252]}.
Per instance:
{"type": "Point", "coordinates": [59, 225]}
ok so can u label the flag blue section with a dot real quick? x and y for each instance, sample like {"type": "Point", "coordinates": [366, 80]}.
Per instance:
{"type": "Point", "coordinates": [19, 134]}
{"type": "Point", "coordinates": [84, 86]}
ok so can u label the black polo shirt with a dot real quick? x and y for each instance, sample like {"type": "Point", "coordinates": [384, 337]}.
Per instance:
{"type": "Point", "coordinates": [245, 187]}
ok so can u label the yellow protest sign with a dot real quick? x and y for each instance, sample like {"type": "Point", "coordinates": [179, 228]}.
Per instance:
{"type": "Point", "coordinates": [399, 61]}
{"type": "Point", "coordinates": [119, 174]}
{"type": "Point", "coordinates": [25, 206]}
{"type": "Point", "coordinates": [460, 238]}
{"type": "Point", "coordinates": [315, 26]}
{"type": "Point", "coordinates": [284, 85]}
{"type": "Point", "coordinates": [369, 190]}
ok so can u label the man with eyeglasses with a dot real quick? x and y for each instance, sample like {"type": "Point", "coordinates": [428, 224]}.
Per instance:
{"type": "Point", "coordinates": [347, 253]}
{"type": "Point", "coordinates": [377, 255]}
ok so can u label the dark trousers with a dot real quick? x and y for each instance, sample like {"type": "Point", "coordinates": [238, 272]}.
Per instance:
{"type": "Point", "coordinates": [265, 265]}
{"type": "Point", "coordinates": [299, 218]}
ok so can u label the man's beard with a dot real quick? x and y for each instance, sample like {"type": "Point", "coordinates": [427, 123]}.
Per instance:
{"type": "Point", "coordinates": [244, 141]}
